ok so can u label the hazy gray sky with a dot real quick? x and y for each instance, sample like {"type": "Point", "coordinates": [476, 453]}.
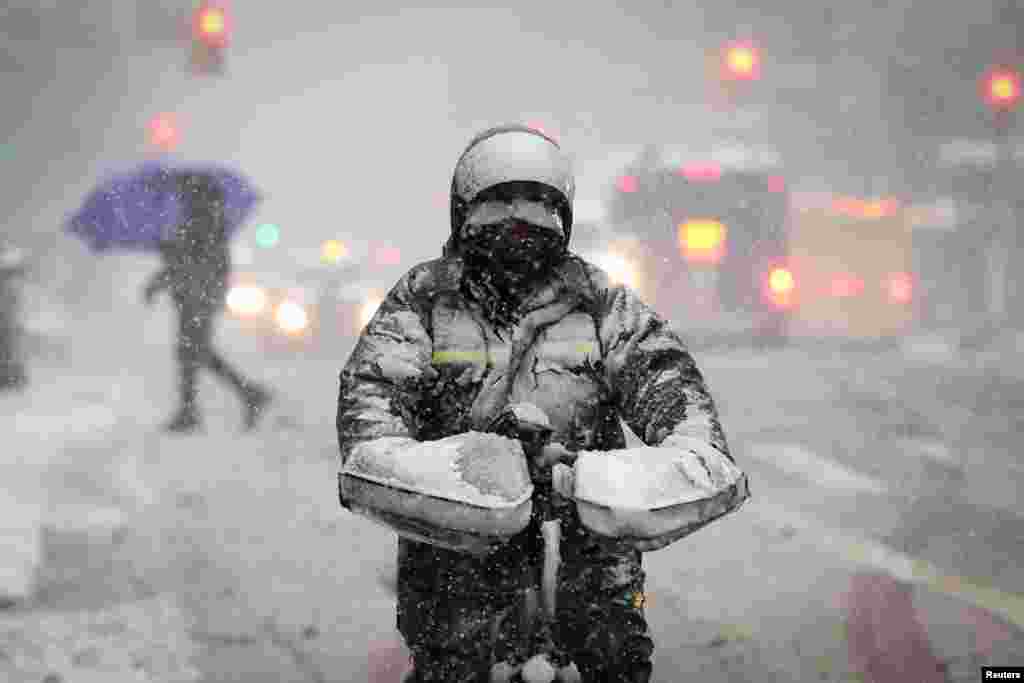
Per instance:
{"type": "Point", "coordinates": [351, 115]}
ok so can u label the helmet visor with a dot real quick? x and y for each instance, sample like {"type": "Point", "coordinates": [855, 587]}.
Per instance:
{"type": "Point", "coordinates": [496, 212]}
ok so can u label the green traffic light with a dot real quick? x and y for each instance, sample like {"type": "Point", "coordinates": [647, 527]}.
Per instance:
{"type": "Point", "coordinates": [267, 235]}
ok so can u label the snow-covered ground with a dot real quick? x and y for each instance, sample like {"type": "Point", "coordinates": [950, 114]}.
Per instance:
{"type": "Point", "coordinates": [228, 553]}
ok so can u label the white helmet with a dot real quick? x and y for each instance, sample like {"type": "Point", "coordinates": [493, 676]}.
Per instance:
{"type": "Point", "coordinates": [511, 154]}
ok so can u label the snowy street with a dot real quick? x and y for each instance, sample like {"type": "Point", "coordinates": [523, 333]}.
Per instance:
{"type": "Point", "coordinates": [205, 203]}
{"type": "Point", "coordinates": [226, 557]}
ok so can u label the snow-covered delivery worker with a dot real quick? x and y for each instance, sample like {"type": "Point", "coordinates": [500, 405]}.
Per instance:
{"type": "Point", "coordinates": [509, 317]}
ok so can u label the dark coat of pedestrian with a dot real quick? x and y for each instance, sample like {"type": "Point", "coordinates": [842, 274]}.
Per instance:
{"type": "Point", "coordinates": [196, 272]}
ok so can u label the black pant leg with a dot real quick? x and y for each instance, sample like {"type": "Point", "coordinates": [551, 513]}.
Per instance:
{"type": "Point", "coordinates": [192, 346]}
{"type": "Point", "coordinates": [601, 620]}
{"type": "Point", "coordinates": [456, 612]}
{"type": "Point", "coordinates": [222, 369]}
{"type": "Point", "coordinates": [196, 348]}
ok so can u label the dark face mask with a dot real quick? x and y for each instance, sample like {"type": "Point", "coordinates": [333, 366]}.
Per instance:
{"type": "Point", "coordinates": [518, 252]}
{"type": "Point", "coordinates": [503, 261]}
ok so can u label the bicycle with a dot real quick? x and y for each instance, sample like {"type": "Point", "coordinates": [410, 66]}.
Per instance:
{"type": "Point", "coordinates": [535, 656]}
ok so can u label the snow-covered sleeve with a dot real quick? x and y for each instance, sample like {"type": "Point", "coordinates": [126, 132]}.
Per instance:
{"type": "Point", "coordinates": [386, 374]}
{"type": "Point", "coordinates": [685, 477]}
{"type": "Point", "coordinates": [660, 391]}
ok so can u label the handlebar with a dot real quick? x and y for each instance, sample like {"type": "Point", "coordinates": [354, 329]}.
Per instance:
{"type": "Point", "coordinates": [530, 426]}
{"type": "Point", "coordinates": [527, 424]}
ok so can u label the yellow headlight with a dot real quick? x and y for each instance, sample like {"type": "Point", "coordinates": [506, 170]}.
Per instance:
{"type": "Point", "coordinates": [618, 268]}
{"type": "Point", "coordinates": [246, 300]}
{"type": "Point", "coordinates": [291, 317]}
{"type": "Point", "coordinates": [333, 251]}
{"type": "Point", "coordinates": [367, 310]}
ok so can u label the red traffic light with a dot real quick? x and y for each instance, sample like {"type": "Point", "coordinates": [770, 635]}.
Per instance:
{"type": "Point", "coordinates": [163, 132]}
{"type": "Point", "coordinates": [1001, 88]}
{"type": "Point", "coordinates": [210, 25]}
{"type": "Point", "coordinates": [741, 61]}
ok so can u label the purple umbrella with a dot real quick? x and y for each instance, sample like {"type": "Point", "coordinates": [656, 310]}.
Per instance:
{"type": "Point", "coordinates": [138, 209]}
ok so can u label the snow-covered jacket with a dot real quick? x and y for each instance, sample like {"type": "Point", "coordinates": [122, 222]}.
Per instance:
{"type": "Point", "coordinates": [586, 351]}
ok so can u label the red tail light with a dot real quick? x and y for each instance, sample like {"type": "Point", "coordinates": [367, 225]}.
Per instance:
{"type": "Point", "coordinates": [1002, 88]}
{"type": "Point", "coordinates": [901, 288]}
{"type": "Point", "coordinates": [701, 173]}
{"type": "Point", "coordinates": [846, 285]}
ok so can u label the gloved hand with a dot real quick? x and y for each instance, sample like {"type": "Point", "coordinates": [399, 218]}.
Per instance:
{"type": "Point", "coordinates": [554, 453]}
{"type": "Point", "coordinates": [561, 461]}
{"type": "Point", "coordinates": [563, 480]}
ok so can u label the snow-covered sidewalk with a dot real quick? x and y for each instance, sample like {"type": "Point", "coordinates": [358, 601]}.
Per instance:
{"type": "Point", "coordinates": [44, 480]}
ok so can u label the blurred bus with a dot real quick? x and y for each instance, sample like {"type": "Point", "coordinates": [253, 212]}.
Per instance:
{"type": "Point", "coordinates": [705, 236]}
{"type": "Point", "coordinates": [720, 245]}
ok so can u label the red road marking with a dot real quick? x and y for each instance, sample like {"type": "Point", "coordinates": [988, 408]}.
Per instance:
{"type": "Point", "coordinates": [887, 641]}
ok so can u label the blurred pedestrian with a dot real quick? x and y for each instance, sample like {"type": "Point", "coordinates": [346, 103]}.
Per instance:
{"type": "Point", "coordinates": [197, 266]}
{"type": "Point", "coordinates": [12, 364]}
